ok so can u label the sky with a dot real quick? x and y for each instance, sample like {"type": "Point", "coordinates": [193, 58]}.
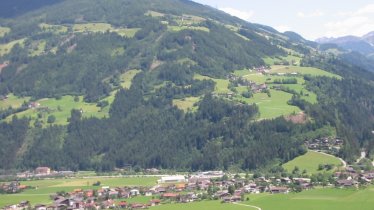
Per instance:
{"type": "Point", "coordinates": [310, 18]}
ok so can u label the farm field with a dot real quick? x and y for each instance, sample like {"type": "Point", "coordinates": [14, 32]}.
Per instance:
{"type": "Point", "coordinates": [47, 187]}
{"type": "Point", "coordinates": [310, 162]}
{"type": "Point", "coordinates": [302, 70]}
{"type": "Point", "coordinates": [180, 28]}
{"type": "Point", "coordinates": [317, 199]}
{"type": "Point", "coordinates": [203, 205]}
{"type": "Point", "coordinates": [274, 106]}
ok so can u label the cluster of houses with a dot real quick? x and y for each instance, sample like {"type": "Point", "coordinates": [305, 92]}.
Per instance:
{"type": "Point", "coordinates": [44, 172]}
{"type": "Point", "coordinates": [12, 187]}
{"type": "Point", "coordinates": [330, 145]}
{"type": "Point", "coordinates": [240, 81]}
{"type": "Point", "coordinates": [353, 178]}
{"type": "Point", "coordinates": [183, 189]}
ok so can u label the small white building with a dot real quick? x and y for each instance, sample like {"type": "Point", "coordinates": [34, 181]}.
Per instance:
{"type": "Point", "coordinates": [172, 179]}
{"type": "Point", "coordinates": [134, 192]}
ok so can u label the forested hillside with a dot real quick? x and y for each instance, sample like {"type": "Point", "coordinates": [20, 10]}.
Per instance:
{"type": "Point", "coordinates": [104, 84]}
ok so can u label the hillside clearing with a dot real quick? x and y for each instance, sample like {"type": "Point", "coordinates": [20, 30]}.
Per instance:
{"type": "Point", "coordinates": [310, 162]}
{"type": "Point", "coordinates": [3, 31]}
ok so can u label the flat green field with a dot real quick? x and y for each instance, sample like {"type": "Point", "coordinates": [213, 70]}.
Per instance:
{"type": "Point", "coordinates": [203, 205]}
{"type": "Point", "coordinates": [6, 48]}
{"type": "Point", "coordinates": [274, 106]}
{"type": "Point", "coordinates": [3, 31]}
{"type": "Point", "coordinates": [47, 187]}
{"type": "Point", "coordinates": [310, 162]}
{"type": "Point", "coordinates": [13, 101]}
{"type": "Point", "coordinates": [318, 199]}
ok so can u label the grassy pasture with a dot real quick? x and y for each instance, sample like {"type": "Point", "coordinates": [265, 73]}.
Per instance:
{"type": "Point", "coordinates": [6, 48]}
{"type": "Point", "coordinates": [38, 48]}
{"type": "Point", "coordinates": [13, 101]}
{"type": "Point", "coordinates": [203, 205]}
{"type": "Point", "coordinates": [47, 187]}
{"type": "Point", "coordinates": [186, 104]}
{"type": "Point", "coordinates": [61, 109]}
{"type": "Point", "coordinates": [274, 106]}
{"type": "Point", "coordinates": [310, 162]}
{"type": "Point", "coordinates": [3, 31]}
{"type": "Point", "coordinates": [221, 84]}
{"type": "Point", "coordinates": [303, 70]}
{"type": "Point", "coordinates": [104, 27]}
{"type": "Point", "coordinates": [154, 14]}
{"type": "Point", "coordinates": [180, 28]}
{"type": "Point", "coordinates": [317, 199]}
{"type": "Point", "coordinates": [56, 29]}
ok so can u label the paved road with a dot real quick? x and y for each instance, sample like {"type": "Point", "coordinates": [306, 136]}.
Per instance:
{"type": "Point", "coordinates": [256, 207]}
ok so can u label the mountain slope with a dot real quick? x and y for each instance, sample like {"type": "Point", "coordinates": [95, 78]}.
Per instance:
{"type": "Point", "coordinates": [169, 84]}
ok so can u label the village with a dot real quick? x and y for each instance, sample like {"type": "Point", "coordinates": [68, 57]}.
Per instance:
{"type": "Point", "coordinates": [211, 185]}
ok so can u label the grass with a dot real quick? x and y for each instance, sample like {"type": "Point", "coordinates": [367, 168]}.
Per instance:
{"type": "Point", "coordinates": [3, 31]}
{"type": "Point", "coordinates": [61, 109]}
{"type": "Point", "coordinates": [38, 48]}
{"type": "Point", "coordinates": [303, 70]}
{"type": "Point", "coordinates": [47, 187]}
{"type": "Point", "coordinates": [6, 48]}
{"type": "Point", "coordinates": [310, 162]}
{"type": "Point", "coordinates": [180, 28]}
{"type": "Point", "coordinates": [104, 27]}
{"type": "Point", "coordinates": [203, 205]}
{"type": "Point", "coordinates": [221, 84]}
{"type": "Point", "coordinates": [13, 101]}
{"type": "Point", "coordinates": [318, 199]}
{"type": "Point", "coordinates": [154, 14]}
{"type": "Point", "coordinates": [186, 104]}
{"type": "Point", "coordinates": [56, 29]}
{"type": "Point", "coordinates": [274, 106]}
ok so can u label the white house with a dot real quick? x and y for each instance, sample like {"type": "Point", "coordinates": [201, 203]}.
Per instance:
{"type": "Point", "coordinates": [172, 179]}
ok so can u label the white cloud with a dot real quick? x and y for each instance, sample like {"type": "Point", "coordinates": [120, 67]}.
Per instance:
{"type": "Point", "coordinates": [356, 23]}
{"type": "Point", "coordinates": [282, 28]}
{"type": "Point", "coordinates": [316, 13]}
{"type": "Point", "coordinates": [245, 15]}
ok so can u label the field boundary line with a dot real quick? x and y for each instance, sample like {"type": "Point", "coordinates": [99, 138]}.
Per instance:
{"type": "Point", "coordinates": [240, 204]}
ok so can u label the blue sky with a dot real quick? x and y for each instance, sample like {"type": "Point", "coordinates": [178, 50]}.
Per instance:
{"type": "Point", "coordinates": [310, 18]}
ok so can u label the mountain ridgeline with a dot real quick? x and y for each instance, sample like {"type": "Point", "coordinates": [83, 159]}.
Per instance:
{"type": "Point", "coordinates": [176, 51]}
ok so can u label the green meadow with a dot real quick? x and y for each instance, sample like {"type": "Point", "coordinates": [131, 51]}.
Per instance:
{"type": "Point", "coordinates": [6, 48]}
{"type": "Point", "coordinates": [61, 108]}
{"type": "Point", "coordinates": [310, 162]}
{"type": "Point", "coordinates": [302, 70]}
{"type": "Point", "coordinates": [203, 205]}
{"type": "Point", "coordinates": [186, 104]}
{"type": "Point", "coordinates": [56, 29]}
{"type": "Point", "coordinates": [104, 27]}
{"type": "Point", "coordinates": [180, 28]}
{"type": "Point", "coordinates": [44, 188]}
{"type": "Point", "coordinates": [13, 101]}
{"type": "Point", "coordinates": [317, 199]}
{"type": "Point", "coordinates": [273, 106]}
